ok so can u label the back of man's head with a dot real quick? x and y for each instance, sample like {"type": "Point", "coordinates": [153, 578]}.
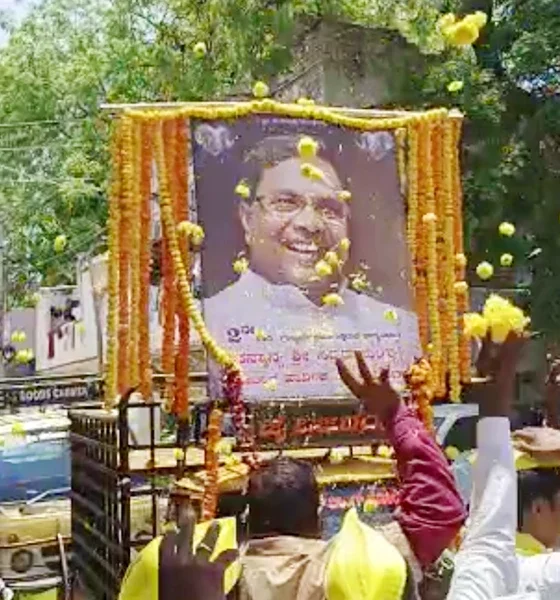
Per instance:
{"type": "Point", "coordinates": [538, 504]}
{"type": "Point", "coordinates": [284, 500]}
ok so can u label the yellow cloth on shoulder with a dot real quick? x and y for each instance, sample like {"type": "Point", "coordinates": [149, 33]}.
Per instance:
{"type": "Point", "coordinates": [141, 579]}
{"type": "Point", "coordinates": [363, 565]}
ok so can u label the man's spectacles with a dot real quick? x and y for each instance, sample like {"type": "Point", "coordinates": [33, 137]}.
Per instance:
{"type": "Point", "coordinates": [290, 205]}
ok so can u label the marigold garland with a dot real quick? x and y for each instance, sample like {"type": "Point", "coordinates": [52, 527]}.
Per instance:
{"type": "Point", "coordinates": [452, 328]}
{"type": "Point", "coordinates": [211, 465]}
{"type": "Point", "coordinates": [111, 390]}
{"type": "Point", "coordinates": [182, 362]}
{"type": "Point", "coordinates": [134, 235]}
{"type": "Point", "coordinates": [126, 201]}
{"type": "Point", "coordinates": [144, 355]}
{"type": "Point", "coordinates": [169, 309]}
{"type": "Point", "coordinates": [420, 381]}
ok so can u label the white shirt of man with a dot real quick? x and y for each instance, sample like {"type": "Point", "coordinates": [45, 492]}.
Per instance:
{"type": "Point", "coordinates": [287, 345]}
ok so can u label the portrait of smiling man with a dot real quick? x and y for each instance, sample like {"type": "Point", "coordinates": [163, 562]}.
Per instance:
{"type": "Point", "coordinates": [286, 316]}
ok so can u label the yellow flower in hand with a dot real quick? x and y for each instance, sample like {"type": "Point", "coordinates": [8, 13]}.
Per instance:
{"type": "Point", "coordinates": [506, 260]}
{"type": "Point", "coordinates": [474, 325]}
{"type": "Point", "coordinates": [485, 270]}
{"type": "Point", "coordinates": [506, 229]}
{"type": "Point", "coordinates": [241, 265]}
{"type": "Point", "coordinates": [307, 147]}
{"type": "Point", "coordinates": [261, 90]}
{"type": "Point", "coordinates": [332, 300]}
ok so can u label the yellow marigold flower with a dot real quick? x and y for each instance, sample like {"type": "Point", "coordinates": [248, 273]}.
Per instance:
{"type": "Point", "coordinates": [200, 50]}
{"type": "Point", "coordinates": [197, 234]}
{"type": "Point", "coordinates": [446, 21]}
{"type": "Point", "coordinates": [506, 260]}
{"type": "Point", "coordinates": [474, 325]}
{"type": "Point", "coordinates": [503, 317]}
{"type": "Point", "coordinates": [271, 385]}
{"type": "Point", "coordinates": [344, 244]}
{"type": "Point", "coordinates": [60, 243]}
{"type": "Point", "coordinates": [261, 90]}
{"type": "Point", "coordinates": [485, 270]}
{"type": "Point", "coordinates": [323, 269]}
{"type": "Point", "coordinates": [461, 287]}
{"type": "Point", "coordinates": [429, 218]}
{"type": "Point", "coordinates": [452, 453]}
{"type": "Point", "coordinates": [478, 18]}
{"type": "Point", "coordinates": [391, 315]}
{"type": "Point", "coordinates": [260, 334]}
{"type": "Point", "coordinates": [359, 283]}
{"type": "Point", "coordinates": [455, 86]}
{"type": "Point", "coordinates": [463, 33]}
{"type": "Point", "coordinates": [241, 265]}
{"type": "Point", "coordinates": [311, 171]}
{"type": "Point", "coordinates": [243, 190]}
{"type": "Point", "coordinates": [332, 300]}
{"type": "Point", "coordinates": [332, 259]}
{"type": "Point", "coordinates": [344, 196]}
{"type": "Point", "coordinates": [305, 102]}
{"type": "Point", "coordinates": [307, 147]}
{"type": "Point", "coordinates": [460, 260]}
{"type": "Point", "coordinates": [18, 336]}
{"type": "Point", "coordinates": [506, 229]}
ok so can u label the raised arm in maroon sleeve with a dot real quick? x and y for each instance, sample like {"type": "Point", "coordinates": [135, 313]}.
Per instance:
{"type": "Point", "coordinates": [430, 511]}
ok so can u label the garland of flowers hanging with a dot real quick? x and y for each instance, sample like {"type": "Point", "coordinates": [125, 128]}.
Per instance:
{"type": "Point", "coordinates": [420, 382]}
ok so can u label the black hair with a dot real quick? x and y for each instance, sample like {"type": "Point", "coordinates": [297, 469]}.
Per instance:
{"type": "Point", "coordinates": [535, 484]}
{"type": "Point", "coordinates": [283, 499]}
{"type": "Point", "coordinates": [274, 149]}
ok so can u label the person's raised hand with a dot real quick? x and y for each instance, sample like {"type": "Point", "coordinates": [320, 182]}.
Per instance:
{"type": "Point", "coordinates": [186, 574]}
{"type": "Point", "coordinates": [376, 393]}
{"type": "Point", "coordinates": [497, 364]}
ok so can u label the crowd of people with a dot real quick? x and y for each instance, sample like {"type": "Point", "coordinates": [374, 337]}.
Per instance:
{"type": "Point", "coordinates": [503, 548]}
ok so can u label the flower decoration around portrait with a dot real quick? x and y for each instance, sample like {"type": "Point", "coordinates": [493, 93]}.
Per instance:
{"type": "Point", "coordinates": [427, 154]}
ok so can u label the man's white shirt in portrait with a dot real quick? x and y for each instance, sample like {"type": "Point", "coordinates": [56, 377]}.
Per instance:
{"type": "Point", "coordinates": [287, 345]}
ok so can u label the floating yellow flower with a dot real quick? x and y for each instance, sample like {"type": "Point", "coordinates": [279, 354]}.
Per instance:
{"type": "Point", "coordinates": [359, 283]}
{"type": "Point", "coordinates": [452, 453]}
{"type": "Point", "coordinates": [60, 243]}
{"type": "Point", "coordinates": [455, 86]}
{"type": "Point", "coordinates": [332, 300]}
{"type": "Point", "coordinates": [344, 196]}
{"type": "Point", "coordinates": [311, 171]}
{"type": "Point", "coordinates": [323, 269]}
{"type": "Point", "coordinates": [485, 270]}
{"type": "Point", "coordinates": [506, 260]}
{"type": "Point", "coordinates": [461, 287]}
{"type": "Point", "coordinates": [391, 315]}
{"type": "Point", "coordinates": [344, 244]}
{"type": "Point", "coordinates": [243, 190]}
{"type": "Point", "coordinates": [503, 317]}
{"type": "Point", "coordinates": [307, 147]}
{"type": "Point", "coordinates": [200, 50]}
{"type": "Point", "coordinates": [474, 325]}
{"type": "Point", "coordinates": [18, 337]}
{"type": "Point", "coordinates": [241, 265]}
{"type": "Point", "coordinates": [332, 259]}
{"type": "Point", "coordinates": [429, 218]}
{"type": "Point", "coordinates": [178, 454]}
{"type": "Point", "coordinates": [506, 229]}
{"type": "Point", "coordinates": [463, 33]}
{"type": "Point", "coordinates": [260, 334]}
{"type": "Point", "coordinates": [271, 385]}
{"type": "Point", "coordinates": [261, 90]}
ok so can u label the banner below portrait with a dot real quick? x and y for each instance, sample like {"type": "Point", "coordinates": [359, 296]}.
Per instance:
{"type": "Point", "coordinates": [305, 257]}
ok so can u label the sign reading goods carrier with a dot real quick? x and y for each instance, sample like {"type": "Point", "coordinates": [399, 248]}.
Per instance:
{"type": "Point", "coordinates": [38, 393]}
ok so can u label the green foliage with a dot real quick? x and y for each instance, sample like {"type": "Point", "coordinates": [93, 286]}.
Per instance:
{"type": "Point", "coordinates": [70, 56]}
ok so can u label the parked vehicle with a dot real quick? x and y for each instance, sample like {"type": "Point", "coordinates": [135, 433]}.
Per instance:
{"type": "Point", "coordinates": [455, 425]}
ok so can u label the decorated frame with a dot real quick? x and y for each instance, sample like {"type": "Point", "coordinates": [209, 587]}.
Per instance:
{"type": "Point", "coordinates": [426, 145]}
